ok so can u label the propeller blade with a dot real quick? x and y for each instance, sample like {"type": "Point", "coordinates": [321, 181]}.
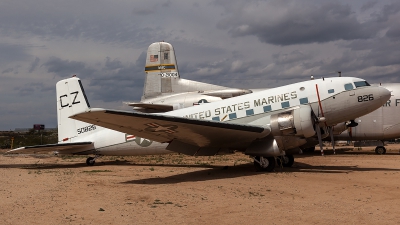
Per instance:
{"type": "Point", "coordinates": [332, 140]}
{"type": "Point", "coordinates": [318, 130]}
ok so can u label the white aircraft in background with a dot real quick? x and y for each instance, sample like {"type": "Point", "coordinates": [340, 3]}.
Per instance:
{"type": "Point", "coordinates": [263, 124]}
{"type": "Point", "coordinates": [381, 124]}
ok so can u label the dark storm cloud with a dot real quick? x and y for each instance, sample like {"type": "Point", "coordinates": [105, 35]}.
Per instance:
{"type": "Point", "coordinates": [9, 70]}
{"type": "Point", "coordinates": [387, 11]}
{"type": "Point", "coordinates": [34, 65]}
{"type": "Point", "coordinates": [70, 20]}
{"type": "Point", "coordinates": [290, 58]}
{"type": "Point", "coordinates": [11, 53]}
{"type": "Point", "coordinates": [66, 68]}
{"type": "Point", "coordinates": [368, 5]}
{"type": "Point", "coordinates": [298, 23]}
{"type": "Point", "coordinates": [29, 88]}
{"type": "Point", "coordinates": [113, 81]}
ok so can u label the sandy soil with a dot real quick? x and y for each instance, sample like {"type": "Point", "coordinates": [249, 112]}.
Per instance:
{"type": "Point", "coordinates": [351, 187]}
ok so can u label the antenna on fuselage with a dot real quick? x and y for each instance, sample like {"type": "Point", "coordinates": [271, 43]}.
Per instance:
{"type": "Point", "coordinates": [340, 73]}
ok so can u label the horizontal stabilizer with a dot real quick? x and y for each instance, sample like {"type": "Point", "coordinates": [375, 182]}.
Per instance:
{"type": "Point", "coordinates": [227, 93]}
{"type": "Point", "coordinates": [65, 148]}
{"type": "Point", "coordinates": [165, 128]}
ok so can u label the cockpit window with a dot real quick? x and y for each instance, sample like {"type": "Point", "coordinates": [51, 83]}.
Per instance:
{"type": "Point", "coordinates": [361, 84]}
{"type": "Point", "coordinates": [348, 87]}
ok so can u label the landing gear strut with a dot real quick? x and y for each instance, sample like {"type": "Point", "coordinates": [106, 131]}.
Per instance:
{"type": "Point", "coordinates": [286, 160]}
{"type": "Point", "coordinates": [265, 164]}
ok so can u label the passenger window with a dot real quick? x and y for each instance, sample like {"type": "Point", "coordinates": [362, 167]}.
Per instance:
{"type": "Point", "coordinates": [330, 91]}
{"type": "Point", "coordinates": [348, 87]}
{"type": "Point", "coordinates": [249, 112]}
{"type": "Point", "coordinates": [303, 100]}
{"type": "Point", "coordinates": [285, 104]}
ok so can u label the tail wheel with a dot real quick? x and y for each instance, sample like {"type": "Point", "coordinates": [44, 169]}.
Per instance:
{"type": "Point", "coordinates": [90, 161]}
{"type": "Point", "coordinates": [264, 164]}
{"type": "Point", "coordinates": [286, 160]}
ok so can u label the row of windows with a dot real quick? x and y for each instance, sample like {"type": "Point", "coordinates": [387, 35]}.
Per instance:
{"type": "Point", "coordinates": [286, 104]}
{"type": "Point", "coordinates": [266, 108]}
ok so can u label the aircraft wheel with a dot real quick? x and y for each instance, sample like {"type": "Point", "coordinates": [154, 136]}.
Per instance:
{"type": "Point", "coordinates": [380, 150]}
{"type": "Point", "coordinates": [286, 160]}
{"type": "Point", "coordinates": [264, 164]}
{"type": "Point", "coordinates": [90, 161]}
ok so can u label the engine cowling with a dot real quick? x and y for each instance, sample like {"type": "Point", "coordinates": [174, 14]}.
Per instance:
{"type": "Point", "coordinates": [289, 130]}
{"type": "Point", "coordinates": [297, 122]}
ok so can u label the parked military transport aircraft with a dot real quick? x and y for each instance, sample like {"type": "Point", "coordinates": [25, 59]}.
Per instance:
{"type": "Point", "coordinates": [262, 124]}
{"type": "Point", "coordinates": [161, 93]}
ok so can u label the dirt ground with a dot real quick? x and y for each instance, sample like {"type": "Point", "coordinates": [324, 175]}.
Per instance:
{"type": "Point", "coordinates": [351, 187]}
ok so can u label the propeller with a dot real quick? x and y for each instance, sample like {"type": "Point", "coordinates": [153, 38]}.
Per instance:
{"type": "Point", "coordinates": [318, 130]}
{"type": "Point", "coordinates": [332, 140]}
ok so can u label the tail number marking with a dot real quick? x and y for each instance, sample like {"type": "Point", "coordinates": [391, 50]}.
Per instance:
{"type": "Point", "coordinates": [365, 98]}
{"type": "Point", "coordinates": [86, 129]}
{"type": "Point", "coordinates": [75, 93]}
{"type": "Point", "coordinates": [171, 74]}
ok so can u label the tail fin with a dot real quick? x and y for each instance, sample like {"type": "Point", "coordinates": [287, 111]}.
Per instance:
{"type": "Point", "coordinates": [162, 74]}
{"type": "Point", "coordinates": [71, 99]}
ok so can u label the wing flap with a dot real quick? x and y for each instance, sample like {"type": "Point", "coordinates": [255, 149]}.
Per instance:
{"type": "Point", "coordinates": [163, 128]}
{"type": "Point", "coordinates": [64, 148]}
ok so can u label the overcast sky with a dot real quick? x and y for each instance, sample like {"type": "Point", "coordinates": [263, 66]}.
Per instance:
{"type": "Point", "coordinates": [244, 44]}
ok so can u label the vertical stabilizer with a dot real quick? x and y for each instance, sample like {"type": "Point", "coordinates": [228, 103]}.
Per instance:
{"type": "Point", "coordinates": [71, 99]}
{"type": "Point", "coordinates": [161, 69]}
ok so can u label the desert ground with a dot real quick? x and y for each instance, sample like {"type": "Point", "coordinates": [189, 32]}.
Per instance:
{"type": "Point", "coordinates": [355, 186]}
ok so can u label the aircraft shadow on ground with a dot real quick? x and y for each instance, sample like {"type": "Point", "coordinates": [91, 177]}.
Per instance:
{"type": "Point", "coordinates": [224, 172]}
{"type": "Point", "coordinates": [345, 151]}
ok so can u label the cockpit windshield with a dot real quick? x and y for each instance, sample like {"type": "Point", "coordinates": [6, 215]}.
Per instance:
{"type": "Point", "coordinates": [361, 84]}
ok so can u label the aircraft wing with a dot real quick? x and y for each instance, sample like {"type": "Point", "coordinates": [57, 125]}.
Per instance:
{"type": "Point", "coordinates": [65, 148]}
{"type": "Point", "coordinates": [165, 128]}
{"type": "Point", "coordinates": [157, 107]}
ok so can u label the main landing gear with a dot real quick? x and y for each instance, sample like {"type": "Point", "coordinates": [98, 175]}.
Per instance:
{"type": "Point", "coordinates": [380, 150]}
{"type": "Point", "coordinates": [267, 164]}
{"type": "Point", "coordinates": [91, 160]}
{"type": "Point", "coordinates": [285, 160]}
{"type": "Point", "coordinates": [264, 164]}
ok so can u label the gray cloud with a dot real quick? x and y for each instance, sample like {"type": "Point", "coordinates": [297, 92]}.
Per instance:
{"type": "Point", "coordinates": [66, 68]}
{"type": "Point", "coordinates": [297, 23]}
{"type": "Point", "coordinates": [34, 65]}
{"type": "Point", "coordinates": [368, 5]}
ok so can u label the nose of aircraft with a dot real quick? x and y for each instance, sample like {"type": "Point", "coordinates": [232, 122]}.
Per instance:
{"type": "Point", "coordinates": [384, 95]}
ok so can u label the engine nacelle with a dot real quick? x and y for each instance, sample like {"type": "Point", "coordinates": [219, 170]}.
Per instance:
{"type": "Point", "coordinates": [274, 146]}
{"type": "Point", "coordinates": [298, 122]}
{"type": "Point", "coordinates": [264, 147]}
{"type": "Point", "coordinates": [339, 128]}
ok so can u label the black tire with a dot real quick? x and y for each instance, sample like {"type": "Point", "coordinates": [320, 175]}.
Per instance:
{"type": "Point", "coordinates": [267, 168]}
{"type": "Point", "coordinates": [90, 161]}
{"type": "Point", "coordinates": [380, 150]}
{"type": "Point", "coordinates": [286, 160]}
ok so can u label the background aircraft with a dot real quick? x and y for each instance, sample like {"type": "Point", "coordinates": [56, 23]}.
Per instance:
{"type": "Point", "coordinates": [381, 124]}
